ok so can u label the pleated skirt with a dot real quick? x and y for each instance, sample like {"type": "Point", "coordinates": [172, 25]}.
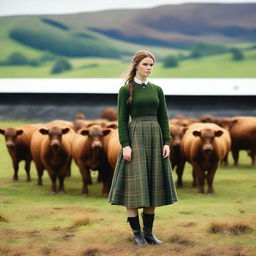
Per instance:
{"type": "Point", "coordinates": [147, 180]}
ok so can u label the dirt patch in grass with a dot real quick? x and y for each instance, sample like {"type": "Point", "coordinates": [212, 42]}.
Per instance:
{"type": "Point", "coordinates": [79, 223]}
{"type": "Point", "coordinates": [91, 252]}
{"type": "Point", "coordinates": [3, 219]}
{"type": "Point", "coordinates": [236, 228]}
{"type": "Point", "coordinates": [189, 224]}
{"type": "Point", "coordinates": [179, 239]}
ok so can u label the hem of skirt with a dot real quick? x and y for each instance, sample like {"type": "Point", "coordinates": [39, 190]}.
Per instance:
{"type": "Point", "coordinates": [134, 206]}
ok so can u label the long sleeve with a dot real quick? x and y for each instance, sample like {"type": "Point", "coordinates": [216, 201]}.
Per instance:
{"type": "Point", "coordinates": [123, 116]}
{"type": "Point", "coordinates": [162, 116]}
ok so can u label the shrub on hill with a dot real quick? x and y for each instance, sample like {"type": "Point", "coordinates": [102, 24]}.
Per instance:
{"type": "Point", "coordinates": [170, 61]}
{"type": "Point", "coordinates": [16, 58]}
{"type": "Point", "coordinates": [203, 49]}
{"type": "Point", "coordinates": [61, 65]}
{"type": "Point", "coordinates": [237, 54]}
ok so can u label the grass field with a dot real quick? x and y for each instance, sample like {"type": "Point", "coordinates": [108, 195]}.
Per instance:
{"type": "Point", "coordinates": [218, 66]}
{"type": "Point", "coordinates": [35, 222]}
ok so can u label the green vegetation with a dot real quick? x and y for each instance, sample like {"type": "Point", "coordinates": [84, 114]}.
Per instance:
{"type": "Point", "coordinates": [61, 65]}
{"type": "Point", "coordinates": [170, 61]}
{"type": "Point", "coordinates": [50, 40]}
{"type": "Point", "coordinates": [237, 54]}
{"type": "Point", "coordinates": [62, 43]}
{"type": "Point", "coordinates": [35, 222]}
{"type": "Point", "coordinates": [202, 49]}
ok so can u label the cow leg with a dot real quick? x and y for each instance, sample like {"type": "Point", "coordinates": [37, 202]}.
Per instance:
{"type": "Point", "coordinates": [210, 177]}
{"type": "Point", "coordinates": [84, 172]}
{"type": "Point", "coordinates": [89, 177]}
{"type": "Point", "coordinates": [200, 175]}
{"type": "Point", "coordinates": [61, 183]}
{"type": "Point", "coordinates": [40, 172]}
{"type": "Point", "coordinates": [179, 171]}
{"type": "Point", "coordinates": [225, 160]}
{"type": "Point", "coordinates": [27, 168]}
{"type": "Point", "coordinates": [16, 168]}
{"type": "Point", "coordinates": [53, 178]}
{"type": "Point", "coordinates": [194, 178]}
{"type": "Point", "coordinates": [235, 154]}
{"type": "Point", "coordinates": [69, 168]}
{"type": "Point", "coordinates": [253, 155]}
{"type": "Point", "coordinates": [107, 180]}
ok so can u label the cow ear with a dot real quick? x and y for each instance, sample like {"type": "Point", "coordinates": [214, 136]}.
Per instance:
{"type": "Point", "coordinates": [197, 133]}
{"type": "Point", "coordinates": [234, 121]}
{"type": "Point", "coordinates": [19, 132]}
{"type": "Point", "coordinates": [44, 131]}
{"type": "Point", "coordinates": [218, 133]}
{"type": "Point", "coordinates": [114, 126]}
{"type": "Point", "coordinates": [185, 129]}
{"type": "Point", "coordinates": [2, 131]}
{"type": "Point", "coordinates": [106, 132]}
{"type": "Point", "coordinates": [65, 130]}
{"type": "Point", "coordinates": [85, 132]}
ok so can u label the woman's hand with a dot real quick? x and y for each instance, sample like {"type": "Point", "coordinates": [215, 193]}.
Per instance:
{"type": "Point", "coordinates": [166, 151]}
{"type": "Point", "coordinates": [127, 153]}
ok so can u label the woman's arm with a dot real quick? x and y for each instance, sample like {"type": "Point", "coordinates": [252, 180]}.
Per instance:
{"type": "Point", "coordinates": [123, 116]}
{"type": "Point", "coordinates": [163, 117]}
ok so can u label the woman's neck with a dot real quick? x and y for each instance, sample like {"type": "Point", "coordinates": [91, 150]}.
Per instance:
{"type": "Point", "coordinates": [141, 78]}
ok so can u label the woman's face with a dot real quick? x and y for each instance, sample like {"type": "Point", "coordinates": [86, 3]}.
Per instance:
{"type": "Point", "coordinates": [145, 67]}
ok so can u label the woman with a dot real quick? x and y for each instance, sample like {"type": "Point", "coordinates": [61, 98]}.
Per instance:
{"type": "Point", "coordinates": [142, 177]}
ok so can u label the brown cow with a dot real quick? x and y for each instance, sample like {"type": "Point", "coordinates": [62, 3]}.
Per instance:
{"type": "Point", "coordinates": [51, 150]}
{"type": "Point", "coordinates": [17, 141]}
{"type": "Point", "coordinates": [176, 159]}
{"type": "Point", "coordinates": [113, 148]}
{"type": "Point", "coordinates": [109, 114]}
{"type": "Point", "coordinates": [88, 153]}
{"type": "Point", "coordinates": [204, 145]}
{"type": "Point", "coordinates": [243, 136]}
{"type": "Point", "coordinates": [242, 132]}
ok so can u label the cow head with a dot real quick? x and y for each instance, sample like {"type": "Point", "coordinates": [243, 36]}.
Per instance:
{"type": "Point", "coordinates": [11, 135]}
{"type": "Point", "coordinates": [207, 138]}
{"type": "Point", "coordinates": [95, 135]}
{"type": "Point", "coordinates": [55, 135]}
{"type": "Point", "coordinates": [177, 133]}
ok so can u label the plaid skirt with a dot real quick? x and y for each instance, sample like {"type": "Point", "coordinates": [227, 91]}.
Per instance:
{"type": "Point", "coordinates": [147, 180]}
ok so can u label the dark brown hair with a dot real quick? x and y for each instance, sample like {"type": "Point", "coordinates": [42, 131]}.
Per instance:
{"type": "Point", "coordinates": [137, 58]}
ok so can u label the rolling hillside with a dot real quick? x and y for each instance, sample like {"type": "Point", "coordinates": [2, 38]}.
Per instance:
{"type": "Point", "coordinates": [100, 44]}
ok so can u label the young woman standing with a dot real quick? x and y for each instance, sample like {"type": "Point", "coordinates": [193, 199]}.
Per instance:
{"type": "Point", "coordinates": [142, 177]}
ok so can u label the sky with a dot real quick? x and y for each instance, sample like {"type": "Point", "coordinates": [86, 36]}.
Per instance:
{"type": "Point", "coordinates": [18, 7]}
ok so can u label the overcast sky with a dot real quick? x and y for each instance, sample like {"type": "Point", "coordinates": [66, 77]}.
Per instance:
{"type": "Point", "coordinates": [14, 7]}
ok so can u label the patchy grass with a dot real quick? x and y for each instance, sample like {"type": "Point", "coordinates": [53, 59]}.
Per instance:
{"type": "Point", "coordinates": [3, 219]}
{"type": "Point", "coordinates": [232, 228]}
{"type": "Point", "coordinates": [40, 223]}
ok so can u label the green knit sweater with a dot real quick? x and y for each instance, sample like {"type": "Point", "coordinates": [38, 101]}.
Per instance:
{"type": "Point", "coordinates": [148, 101]}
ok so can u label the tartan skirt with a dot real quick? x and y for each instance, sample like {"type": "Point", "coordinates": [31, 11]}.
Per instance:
{"type": "Point", "coordinates": [147, 180]}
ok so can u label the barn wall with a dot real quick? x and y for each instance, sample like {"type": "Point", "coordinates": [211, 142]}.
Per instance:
{"type": "Point", "coordinates": [44, 107]}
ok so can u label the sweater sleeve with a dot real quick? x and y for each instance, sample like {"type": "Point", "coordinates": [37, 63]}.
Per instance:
{"type": "Point", "coordinates": [123, 116]}
{"type": "Point", "coordinates": [162, 116]}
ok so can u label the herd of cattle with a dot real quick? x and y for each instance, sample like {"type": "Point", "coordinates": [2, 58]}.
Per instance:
{"type": "Point", "coordinates": [94, 145]}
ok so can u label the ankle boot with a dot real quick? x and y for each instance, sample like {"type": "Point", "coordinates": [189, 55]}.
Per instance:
{"type": "Point", "coordinates": [148, 220]}
{"type": "Point", "coordinates": [138, 236]}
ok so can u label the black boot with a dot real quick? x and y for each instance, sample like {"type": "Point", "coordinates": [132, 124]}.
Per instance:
{"type": "Point", "coordinates": [148, 220]}
{"type": "Point", "coordinates": [138, 235]}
